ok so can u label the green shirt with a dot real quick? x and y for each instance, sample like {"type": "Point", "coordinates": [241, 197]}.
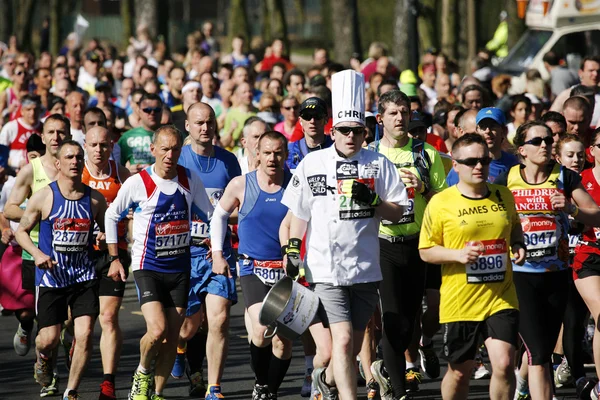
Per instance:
{"type": "Point", "coordinates": [235, 114]}
{"type": "Point", "coordinates": [135, 146]}
{"type": "Point", "coordinates": [403, 159]}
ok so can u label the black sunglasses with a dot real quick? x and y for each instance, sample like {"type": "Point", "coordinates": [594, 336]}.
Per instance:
{"type": "Point", "coordinates": [152, 110]}
{"type": "Point", "coordinates": [473, 161]}
{"type": "Point", "coordinates": [537, 141]}
{"type": "Point", "coordinates": [345, 130]}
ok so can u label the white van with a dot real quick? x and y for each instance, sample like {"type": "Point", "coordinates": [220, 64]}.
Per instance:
{"type": "Point", "coordinates": [571, 28]}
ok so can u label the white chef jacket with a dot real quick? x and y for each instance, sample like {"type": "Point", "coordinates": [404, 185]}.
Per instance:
{"type": "Point", "coordinates": [342, 244]}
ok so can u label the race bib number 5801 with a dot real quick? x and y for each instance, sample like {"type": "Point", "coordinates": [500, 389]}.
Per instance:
{"type": "Point", "coordinates": [491, 265]}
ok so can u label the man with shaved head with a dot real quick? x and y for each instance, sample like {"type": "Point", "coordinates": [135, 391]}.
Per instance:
{"type": "Point", "coordinates": [210, 286]}
{"type": "Point", "coordinates": [106, 176]}
{"type": "Point", "coordinates": [466, 122]}
{"type": "Point", "coordinates": [578, 113]}
{"type": "Point", "coordinates": [75, 108]}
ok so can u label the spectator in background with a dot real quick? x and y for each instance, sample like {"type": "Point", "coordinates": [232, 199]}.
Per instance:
{"type": "Point", "coordinates": [295, 82]}
{"type": "Point", "coordinates": [123, 101]}
{"type": "Point", "coordinates": [225, 72]}
{"type": "Point", "coordinates": [500, 86]}
{"type": "Point", "coordinates": [238, 56]}
{"type": "Point", "coordinates": [589, 75]}
{"type": "Point", "coordinates": [171, 96]}
{"type": "Point", "coordinates": [561, 77]}
{"type": "Point", "coordinates": [116, 70]}
{"type": "Point", "coordinates": [278, 55]}
{"type": "Point", "coordinates": [557, 124]}
{"type": "Point", "coordinates": [75, 108]}
{"type": "Point", "coordinates": [210, 44]}
{"type": "Point", "coordinates": [520, 110]}
{"type": "Point", "coordinates": [278, 71]}
{"type": "Point", "coordinates": [191, 93]}
{"type": "Point", "coordinates": [8, 66]}
{"type": "Point", "coordinates": [289, 109]}
{"type": "Point", "coordinates": [268, 109]}
{"type": "Point", "coordinates": [210, 96]}
{"type": "Point", "coordinates": [10, 98]}
{"type": "Point", "coordinates": [88, 74]}
{"type": "Point", "coordinates": [237, 115]}
{"type": "Point", "coordinates": [443, 88]}
{"type": "Point", "coordinates": [473, 97]}
{"type": "Point", "coordinates": [60, 72]}
{"type": "Point", "coordinates": [275, 86]}
{"type": "Point", "coordinates": [15, 133]}
{"type": "Point", "coordinates": [428, 86]}
{"type": "Point", "coordinates": [578, 114]}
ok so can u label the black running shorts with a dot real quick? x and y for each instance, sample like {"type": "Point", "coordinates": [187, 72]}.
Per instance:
{"type": "Point", "coordinates": [52, 304]}
{"type": "Point", "coordinates": [462, 338]}
{"type": "Point", "coordinates": [107, 286]}
{"type": "Point", "coordinates": [170, 289]}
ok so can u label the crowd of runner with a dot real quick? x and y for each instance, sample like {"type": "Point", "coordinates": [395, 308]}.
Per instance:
{"type": "Point", "coordinates": [411, 203]}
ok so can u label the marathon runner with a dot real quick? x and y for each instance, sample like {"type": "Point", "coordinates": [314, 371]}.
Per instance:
{"type": "Point", "coordinates": [342, 250]}
{"type": "Point", "coordinates": [253, 128]}
{"type": "Point", "coordinates": [65, 276]}
{"type": "Point", "coordinates": [468, 228]}
{"type": "Point", "coordinates": [107, 177]}
{"type": "Point", "coordinates": [403, 271]}
{"type": "Point", "coordinates": [212, 289]}
{"type": "Point", "coordinates": [313, 117]}
{"type": "Point", "coordinates": [164, 195]}
{"type": "Point", "coordinates": [30, 179]}
{"type": "Point", "coordinates": [543, 191]}
{"type": "Point", "coordinates": [258, 196]}
{"type": "Point", "coordinates": [16, 132]}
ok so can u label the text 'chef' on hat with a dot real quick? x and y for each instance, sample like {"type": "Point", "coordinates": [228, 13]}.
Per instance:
{"type": "Point", "coordinates": [348, 97]}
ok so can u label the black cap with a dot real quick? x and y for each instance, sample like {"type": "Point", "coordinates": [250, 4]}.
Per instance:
{"type": "Point", "coordinates": [318, 80]}
{"type": "Point", "coordinates": [313, 107]}
{"type": "Point", "coordinates": [92, 56]}
{"type": "Point", "coordinates": [102, 85]}
{"type": "Point", "coordinates": [417, 120]}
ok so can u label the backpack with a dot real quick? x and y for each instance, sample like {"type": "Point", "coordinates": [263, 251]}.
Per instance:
{"type": "Point", "coordinates": [421, 160]}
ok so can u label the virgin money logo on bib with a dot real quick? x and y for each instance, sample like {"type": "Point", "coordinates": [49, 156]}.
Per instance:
{"type": "Point", "coordinates": [172, 228]}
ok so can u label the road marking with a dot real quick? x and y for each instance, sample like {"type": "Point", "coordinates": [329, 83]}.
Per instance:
{"type": "Point", "coordinates": [137, 313]}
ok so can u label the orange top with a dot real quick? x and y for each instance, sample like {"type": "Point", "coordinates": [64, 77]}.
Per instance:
{"type": "Point", "coordinates": [108, 187]}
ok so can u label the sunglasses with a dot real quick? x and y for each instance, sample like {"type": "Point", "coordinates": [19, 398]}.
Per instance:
{"type": "Point", "coordinates": [537, 141]}
{"type": "Point", "coordinates": [152, 110]}
{"type": "Point", "coordinates": [345, 130]}
{"type": "Point", "coordinates": [473, 161]}
{"type": "Point", "coordinates": [308, 117]}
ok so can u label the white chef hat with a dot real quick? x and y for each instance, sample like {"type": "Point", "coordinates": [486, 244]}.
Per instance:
{"type": "Point", "coordinates": [348, 97]}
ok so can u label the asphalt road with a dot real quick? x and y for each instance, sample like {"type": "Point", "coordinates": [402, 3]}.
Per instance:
{"type": "Point", "coordinates": [16, 373]}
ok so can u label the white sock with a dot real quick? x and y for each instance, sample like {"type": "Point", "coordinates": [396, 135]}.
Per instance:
{"type": "Point", "coordinates": [308, 362]}
{"type": "Point", "coordinates": [66, 394]}
{"type": "Point", "coordinates": [142, 369]}
{"type": "Point", "coordinates": [410, 365]}
{"type": "Point", "coordinates": [522, 385]}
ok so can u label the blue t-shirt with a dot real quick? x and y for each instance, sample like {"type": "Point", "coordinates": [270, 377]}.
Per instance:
{"type": "Point", "coordinates": [298, 150]}
{"type": "Point", "coordinates": [216, 172]}
{"type": "Point", "coordinates": [497, 167]}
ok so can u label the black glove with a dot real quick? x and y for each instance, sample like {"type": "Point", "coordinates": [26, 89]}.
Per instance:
{"type": "Point", "coordinates": [294, 263]}
{"type": "Point", "coordinates": [362, 194]}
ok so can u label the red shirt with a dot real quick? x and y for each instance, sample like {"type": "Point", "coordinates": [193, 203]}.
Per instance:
{"type": "Point", "coordinates": [437, 142]}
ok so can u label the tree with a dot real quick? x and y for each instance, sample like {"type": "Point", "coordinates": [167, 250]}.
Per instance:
{"type": "Point", "coordinates": [346, 35]}
{"type": "Point", "coordinates": [448, 21]}
{"type": "Point", "coordinates": [428, 24]}
{"type": "Point", "coordinates": [400, 52]}
{"type": "Point", "coordinates": [126, 21]}
{"type": "Point", "coordinates": [274, 23]}
{"type": "Point", "coordinates": [55, 12]}
{"type": "Point", "coordinates": [6, 19]}
{"type": "Point", "coordinates": [24, 25]}
{"type": "Point", "coordinates": [238, 20]}
{"type": "Point", "coordinates": [146, 14]}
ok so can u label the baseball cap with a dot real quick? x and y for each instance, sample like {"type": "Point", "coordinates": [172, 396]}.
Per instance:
{"type": "Point", "coordinates": [318, 80]}
{"type": "Point", "coordinates": [417, 120]}
{"type": "Point", "coordinates": [407, 76]}
{"type": "Point", "coordinates": [491, 112]}
{"type": "Point", "coordinates": [313, 107]}
{"type": "Point", "coordinates": [101, 85]}
{"type": "Point", "coordinates": [92, 56]}
{"type": "Point", "coordinates": [408, 89]}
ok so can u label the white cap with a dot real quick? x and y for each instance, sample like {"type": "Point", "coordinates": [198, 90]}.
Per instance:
{"type": "Point", "coordinates": [348, 97]}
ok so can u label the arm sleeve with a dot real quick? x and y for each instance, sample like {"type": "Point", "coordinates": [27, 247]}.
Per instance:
{"type": "Point", "coordinates": [297, 193]}
{"type": "Point", "coordinates": [218, 228]}
{"type": "Point", "coordinates": [124, 200]}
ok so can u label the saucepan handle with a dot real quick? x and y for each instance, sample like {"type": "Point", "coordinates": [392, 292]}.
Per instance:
{"type": "Point", "coordinates": [268, 335]}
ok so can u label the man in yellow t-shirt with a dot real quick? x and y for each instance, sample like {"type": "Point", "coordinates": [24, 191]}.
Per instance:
{"type": "Point", "coordinates": [468, 229]}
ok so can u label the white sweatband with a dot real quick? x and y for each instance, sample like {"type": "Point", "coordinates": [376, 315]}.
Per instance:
{"type": "Point", "coordinates": [218, 228]}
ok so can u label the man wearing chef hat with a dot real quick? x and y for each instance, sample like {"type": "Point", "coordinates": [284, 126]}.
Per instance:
{"type": "Point", "coordinates": [338, 197]}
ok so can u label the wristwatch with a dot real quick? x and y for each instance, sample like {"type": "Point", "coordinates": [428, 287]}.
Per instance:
{"type": "Point", "coordinates": [112, 258]}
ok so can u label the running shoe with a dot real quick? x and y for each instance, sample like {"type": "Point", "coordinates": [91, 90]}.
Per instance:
{"type": "Point", "coordinates": [214, 393]}
{"type": "Point", "coordinates": [430, 363]}
{"type": "Point", "coordinates": [272, 396]}
{"type": "Point", "coordinates": [107, 391]}
{"type": "Point", "coordinates": [157, 397]}
{"type": "Point", "coordinates": [562, 375]}
{"type": "Point", "coordinates": [326, 392]}
{"type": "Point", "coordinates": [595, 393]}
{"type": "Point", "coordinates": [179, 366]}
{"type": "Point", "coordinates": [22, 341]}
{"type": "Point", "coordinates": [480, 371]}
{"type": "Point", "coordinates": [141, 384]}
{"type": "Point", "coordinates": [260, 392]}
{"type": "Point", "coordinates": [307, 384]}
{"type": "Point", "coordinates": [382, 379]}
{"type": "Point", "coordinates": [42, 371]}
{"type": "Point", "coordinates": [72, 395]}
{"type": "Point", "coordinates": [584, 388]}
{"type": "Point", "coordinates": [412, 378]}
{"type": "Point", "coordinates": [51, 389]}
{"type": "Point", "coordinates": [521, 396]}
{"type": "Point", "coordinates": [372, 389]}
{"type": "Point", "coordinates": [197, 385]}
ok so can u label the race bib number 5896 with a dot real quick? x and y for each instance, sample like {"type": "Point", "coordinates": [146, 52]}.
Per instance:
{"type": "Point", "coordinates": [491, 264]}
